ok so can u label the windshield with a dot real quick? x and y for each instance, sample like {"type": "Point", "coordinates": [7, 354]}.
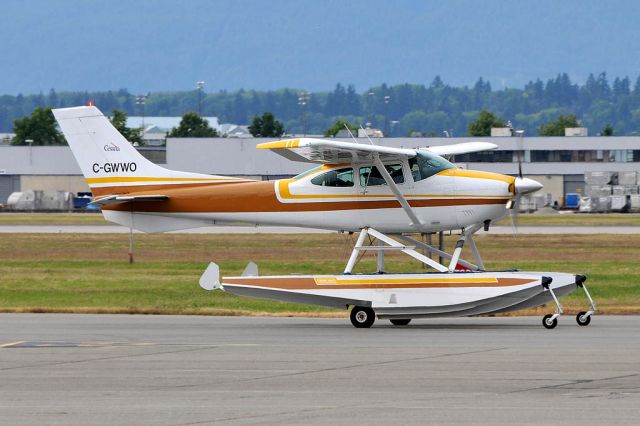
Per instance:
{"type": "Point", "coordinates": [426, 164]}
{"type": "Point", "coordinates": [308, 172]}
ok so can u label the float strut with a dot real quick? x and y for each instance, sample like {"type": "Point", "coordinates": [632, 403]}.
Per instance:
{"type": "Point", "coordinates": [580, 279]}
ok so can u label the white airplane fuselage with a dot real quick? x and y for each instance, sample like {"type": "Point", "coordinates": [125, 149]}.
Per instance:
{"type": "Point", "coordinates": [451, 199]}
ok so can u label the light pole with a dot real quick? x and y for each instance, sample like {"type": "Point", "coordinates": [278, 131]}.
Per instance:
{"type": "Point", "coordinates": [387, 99]}
{"type": "Point", "coordinates": [303, 99]}
{"type": "Point", "coordinates": [370, 105]}
{"type": "Point", "coordinates": [142, 101]}
{"type": "Point", "coordinates": [30, 142]}
{"type": "Point", "coordinates": [200, 86]}
{"type": "Point", "coordinates": [393, 125]}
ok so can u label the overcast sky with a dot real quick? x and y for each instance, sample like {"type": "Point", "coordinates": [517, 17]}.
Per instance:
{"type": "Point", "coordinates": [169, 45]}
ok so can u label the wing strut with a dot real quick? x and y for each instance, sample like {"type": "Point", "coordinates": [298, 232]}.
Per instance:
{"type": "Point", "coordinates": [396, 191]}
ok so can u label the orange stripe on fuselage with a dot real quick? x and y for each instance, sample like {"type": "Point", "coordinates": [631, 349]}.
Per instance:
{"type": "Point", "coordinates": [252, 197]}
{"type": "Point", "coordinates": [99, 191]}
{"type": "Point", "coordinates": [124, 179]}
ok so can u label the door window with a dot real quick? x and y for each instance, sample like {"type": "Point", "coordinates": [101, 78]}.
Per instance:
{"type": "Point", "coordinates": [370, 176]}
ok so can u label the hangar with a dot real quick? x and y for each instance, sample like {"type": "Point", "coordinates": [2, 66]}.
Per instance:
{"type": "Point", "coordinates": [560, 163]}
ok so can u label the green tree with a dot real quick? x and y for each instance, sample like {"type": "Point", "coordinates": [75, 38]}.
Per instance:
{"type": "Point", "coordinates": [266, 126]}
{"type": "Point", "coordinates": [556, 127]}
{"type": "Point", "coordinates": [338, 126]}
{"type": "Point", "coordinates": [607, 130]}
{"type": "Point", "coordinates": [482, 125]}
{"type": "Point", "coordinates": [40, 127]}
{"type": "Point", "coordinates": [119, 121]}
{"type": "Point", "coordinates": [193, 126]}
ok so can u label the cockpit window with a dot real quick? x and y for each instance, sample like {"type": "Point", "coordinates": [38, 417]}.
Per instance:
{"type": "Point", "coordinates": [425, 165]}
{"type": "Point", "coordinates": [372, 177]}
{"type": "Point", "coordinates": [336, 178]}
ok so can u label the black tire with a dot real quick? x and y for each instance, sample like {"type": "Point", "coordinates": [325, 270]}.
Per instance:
{"type": "Point", "coordinates": [549, 325]}
{"type": "Point", "coordinates": [582, 320]}
{"type": "Point", "coordinates": [362, 317]}
{"type": "Point", "coordinates": [404, 321]}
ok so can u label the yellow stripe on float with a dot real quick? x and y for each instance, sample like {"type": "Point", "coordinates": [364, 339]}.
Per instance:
{"type": "Point", "coordinates": [335, 281]}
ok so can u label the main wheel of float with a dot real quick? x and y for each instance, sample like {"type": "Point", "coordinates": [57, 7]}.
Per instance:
{"type": "Point", "coordinates": [362, 317]}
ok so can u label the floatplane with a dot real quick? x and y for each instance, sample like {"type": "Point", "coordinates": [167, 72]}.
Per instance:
{"type": "Point", "coordinates": [387, 195]}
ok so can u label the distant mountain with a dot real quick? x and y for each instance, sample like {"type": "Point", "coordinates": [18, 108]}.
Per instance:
{"type": "Point", "coordinates": [307, 44]}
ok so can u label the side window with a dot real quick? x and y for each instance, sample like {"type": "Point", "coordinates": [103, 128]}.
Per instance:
{"type": "Point", "coordinates": [335, 178]}
{"type": "Point", "coordinates": [372, 177]}
{"type": "Point", "coordinates": [425, 165]}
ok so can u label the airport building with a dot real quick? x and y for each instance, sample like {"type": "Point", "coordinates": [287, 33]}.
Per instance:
{"type": "Point", "coordinates": [559, 163]}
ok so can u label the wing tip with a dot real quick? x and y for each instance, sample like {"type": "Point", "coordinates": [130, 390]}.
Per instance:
{"type": "Point", "coordinates": [281, 144]}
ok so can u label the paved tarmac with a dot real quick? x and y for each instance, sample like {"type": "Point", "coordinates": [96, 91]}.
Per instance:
{"type": "Point", "coordinates": [116, 229]}
{"type": "Point", "coordinates": [120, 369]}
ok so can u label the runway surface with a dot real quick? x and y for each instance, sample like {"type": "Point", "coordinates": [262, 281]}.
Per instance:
{"type": "Point", "coordinates": [116, 229]}
{"type": "Point", "coordinates": [110, 369]}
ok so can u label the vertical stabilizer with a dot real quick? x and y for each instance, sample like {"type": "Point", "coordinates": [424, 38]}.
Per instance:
{"type": "Point", "coordinates": [110, 164]}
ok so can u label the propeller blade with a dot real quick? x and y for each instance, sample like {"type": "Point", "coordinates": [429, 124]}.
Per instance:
{"type": "Point", "coordinates": [520, 151]}
{"type": "Point", "coordinates": [513, 215]}
{"type": "Point", "coordinates": [520, 164]}
{"type": "Point", "coordinates": [515, 209]}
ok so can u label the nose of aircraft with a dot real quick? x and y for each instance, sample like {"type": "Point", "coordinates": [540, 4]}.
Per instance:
{"type": "Point", "coordinates": [527, 186]}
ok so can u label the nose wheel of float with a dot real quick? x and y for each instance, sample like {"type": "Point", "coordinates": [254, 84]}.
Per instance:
{"type": "Point", "coordinates": [550, 321]}
{"type": "Point", "coordinates": [583, 319]}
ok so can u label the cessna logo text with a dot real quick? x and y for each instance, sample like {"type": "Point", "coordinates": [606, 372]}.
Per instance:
{"type": "Point", "coordinates": [111, 147]}
{"type": "Point", "coordinates": [114, 167]}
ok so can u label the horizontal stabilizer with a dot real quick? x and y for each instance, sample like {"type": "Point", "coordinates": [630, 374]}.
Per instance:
{"type": "Point", "coordinates": [118, 199]}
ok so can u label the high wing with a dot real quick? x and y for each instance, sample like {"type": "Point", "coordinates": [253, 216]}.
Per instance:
{"type": "Point", "coordinates": [310, 150]}
{"type": "Point", "coordinates": [324, 151]}
{"type": "Point", "coordinates": [108, 200]}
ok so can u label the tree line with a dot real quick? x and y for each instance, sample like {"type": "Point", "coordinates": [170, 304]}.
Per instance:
{"type": "Point", "coordinates": [399, 110]}
{"type": "Point", "coordinates": [40, 128]}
